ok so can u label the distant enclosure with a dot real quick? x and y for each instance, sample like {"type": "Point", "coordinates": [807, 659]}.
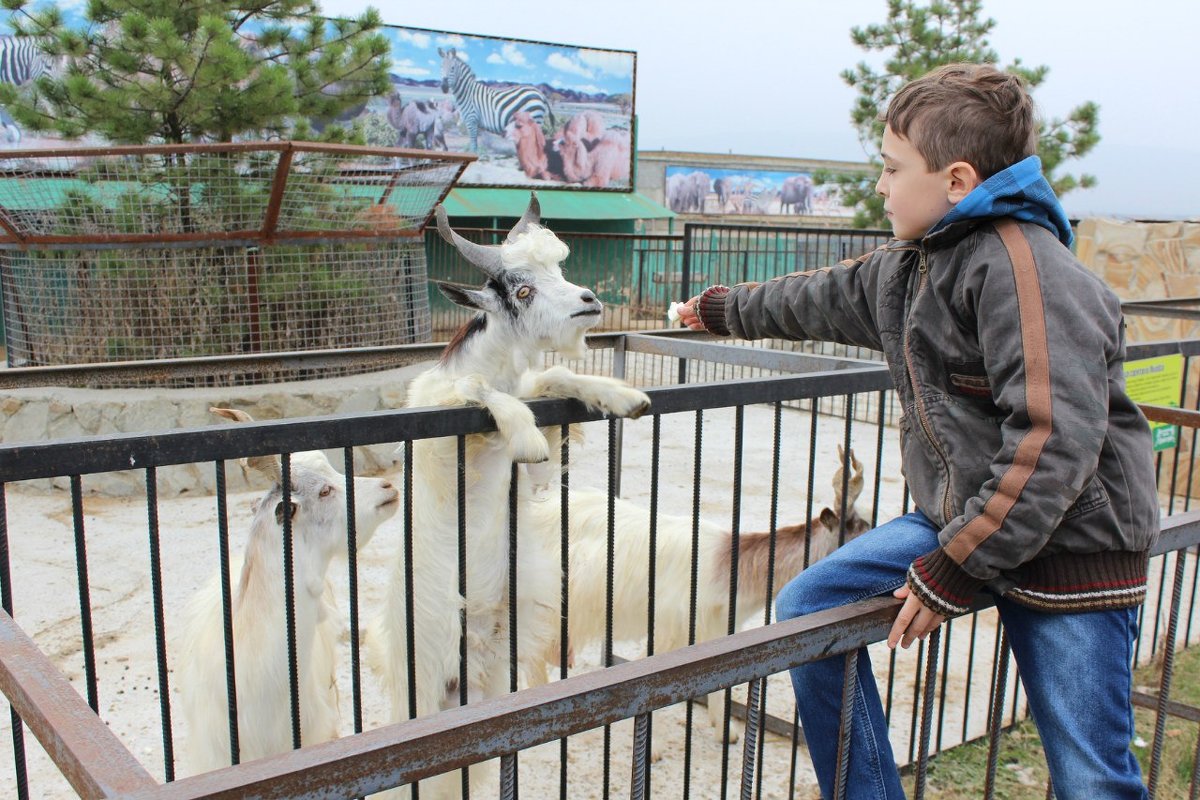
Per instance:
{"type": "Point", "coordinates": [135, 253]}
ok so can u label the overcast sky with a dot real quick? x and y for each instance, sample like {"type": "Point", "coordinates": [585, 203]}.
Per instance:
{"type": "Point", "coordinates": [760, 77]}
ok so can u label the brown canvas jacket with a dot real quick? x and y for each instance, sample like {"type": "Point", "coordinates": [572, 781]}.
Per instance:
{"type": "Point", "coordinates": [1017, 436]}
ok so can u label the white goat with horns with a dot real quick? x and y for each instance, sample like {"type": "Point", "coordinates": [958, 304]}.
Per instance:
{"type": "Point", "coordinates": [525, 309]}
{"type": "Point", "coordinates": [317, 507]}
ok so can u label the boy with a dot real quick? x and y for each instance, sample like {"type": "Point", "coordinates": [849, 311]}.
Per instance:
{"type": "Point", "coordinates": [1030, 467]}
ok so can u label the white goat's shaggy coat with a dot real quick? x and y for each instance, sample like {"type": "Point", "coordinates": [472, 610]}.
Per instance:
{"type": "Point", "coordinates": [527, 309]}
{"type": "Point", "coordinates": [319, 534]}
{"type": "Point", "coordinates": [588, 532]}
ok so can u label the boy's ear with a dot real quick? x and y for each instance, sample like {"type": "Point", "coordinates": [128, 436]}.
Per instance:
{"type": "Point", "coordinates": [961, 179]}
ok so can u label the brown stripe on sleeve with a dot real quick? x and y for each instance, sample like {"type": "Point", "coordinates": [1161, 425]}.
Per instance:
{"type": "Point", "coordinates": [1037, 397]}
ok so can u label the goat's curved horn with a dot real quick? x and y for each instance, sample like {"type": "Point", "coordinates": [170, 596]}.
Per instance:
{"type": "Point", "coordinates": [267, 465]}
{"type": "Point", "coordinates": [486, 257]}
{"type": "Point", "coordinates": [232, 414]}
{"type": "Point", "coordinates": [532, 216]}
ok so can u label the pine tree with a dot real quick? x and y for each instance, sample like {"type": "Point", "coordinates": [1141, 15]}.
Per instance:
{"type": "Point", "coordinates": [917, 38]}
{"type": "Point", "coordinates": [161, 71]}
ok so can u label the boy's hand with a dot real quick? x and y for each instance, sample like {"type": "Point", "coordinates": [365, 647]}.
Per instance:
{"type": "Point", "coordinates": [915, 620]}
{"type": "Point", "coordinates": [688, 316]}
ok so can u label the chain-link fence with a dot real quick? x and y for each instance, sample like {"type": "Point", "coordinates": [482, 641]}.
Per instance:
{"type": "Point", "coordinates": [132, 253]}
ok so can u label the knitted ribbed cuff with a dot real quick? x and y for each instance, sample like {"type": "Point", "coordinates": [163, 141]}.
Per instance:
{"type": "Point", "coordinates": [711, 309]}
{"type": "Point", "coordinates": [941, 584]}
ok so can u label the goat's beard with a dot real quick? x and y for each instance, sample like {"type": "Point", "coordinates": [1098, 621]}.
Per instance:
{"type": "Point", "coordinates": [575, 349]}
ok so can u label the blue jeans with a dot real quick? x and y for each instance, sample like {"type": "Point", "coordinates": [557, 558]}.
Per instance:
{"type": "Point", "coordinates": [1076, 670]}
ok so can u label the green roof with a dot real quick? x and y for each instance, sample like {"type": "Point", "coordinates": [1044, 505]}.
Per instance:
{"type": "Point", "coordinates": [555, 203]}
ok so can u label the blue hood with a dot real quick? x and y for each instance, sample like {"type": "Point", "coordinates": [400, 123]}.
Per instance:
{"type": "Point", "coordinates": [1021, 191]}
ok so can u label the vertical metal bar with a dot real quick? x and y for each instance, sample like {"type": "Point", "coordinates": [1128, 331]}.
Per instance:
{"type": "Point", "coordinates": [85, 599]}
{"type": "Point", "coordinates": [513, 578]}
{"type": "Point", "coordinates": [160, 632]}
{"type": "Point", "coordinates": [617, 441]}
{"type": "Point", "coordinates": [739, 431]}
{"type": "Point", "coordinates": [410, 643]}
{"type": "Point", "coordinates": [813, 432]}
{"type": "Point", "coordinates": [917, 690]}
{"type": "Point", "coordinates": [794, 755]}
{"type": "Point", "coordinates": [641, 750]}
{"type": "Point", "coordinates": [966, 712]}
{"type": "Point", "coordinates": [289, 593]}
{"type": "Point", "coordinates": [750, 741]}
{"type": "Point", "coordinates": [999, 684]}
{"type": "Point", "coordinates": [462, 591]}
{"type": "Point", "coordinates": [692, 595]}
{"type": "Point", "coordinates": [508, 763]}
{"type": "Point", "coordinates": [768, 601]}
{"type": "Point", "coordinates": [609, 577]}
{"type": "Point", "coordinates": [6, 599]}
{"type": "Point", "coordinates": [927, 714]}
{"type": "Point", "coordinates": [1168, 670]}
{"type": "Point", "coordinates": [651, 584]}
{"type": "Point", "coordinates": [508, 776]}
{"type": "Point", "coordinates": [845, 728]}
{"type": "Point", "coordinates": [227, 611]}
{"type": "Point", "coordinates": [1162, 579]}
{"type": "Point", "coordinates": [352, 587]}
{"type": "Point", "coordinates": [845, 487]}
{"type": "Point", "coordinates": [565, 594]}
{"type": "Point", "coordinates": [949, 627]}
{"type": "Point", "coordinates": [685, 293]}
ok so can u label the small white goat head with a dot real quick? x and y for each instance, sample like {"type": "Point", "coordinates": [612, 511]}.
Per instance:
{"type": "Point", "coordinates": [320, 490]}
{"type": "Point", "coordinates": [526, 290]}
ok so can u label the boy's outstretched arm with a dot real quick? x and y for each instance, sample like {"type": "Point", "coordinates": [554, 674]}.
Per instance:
{"type": "Point", "coordinates": [833, 304]}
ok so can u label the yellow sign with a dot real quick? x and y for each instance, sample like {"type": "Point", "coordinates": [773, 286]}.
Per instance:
{"type": "Point", "coordinates": [1157, 381]}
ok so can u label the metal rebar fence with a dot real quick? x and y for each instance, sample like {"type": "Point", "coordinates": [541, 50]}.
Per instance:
{"type": "Point", "coordinates": [79, 582]}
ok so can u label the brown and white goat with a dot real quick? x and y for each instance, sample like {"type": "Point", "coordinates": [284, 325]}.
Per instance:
{"type": "Point", "coordinates": [796, 546]}
{"type": "Point", "coordinates": [526, 309]}
{"type": "Point", "coordinates": [317, 511]}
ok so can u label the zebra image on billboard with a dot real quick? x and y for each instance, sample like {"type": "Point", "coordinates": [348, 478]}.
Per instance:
{"type": "Point", "coordinates": [692, 190]}
{"type": "Point", "coordinates": [535, 113]}
{"type": "Point", "coordinates": [21, 63]}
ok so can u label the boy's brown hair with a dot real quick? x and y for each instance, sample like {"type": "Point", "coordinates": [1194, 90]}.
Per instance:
{"type": "Point", "coordinates": [966, 112]}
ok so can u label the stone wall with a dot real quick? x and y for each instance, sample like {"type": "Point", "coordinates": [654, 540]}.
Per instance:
{"type": "Point", "coordinates": [43, 414]}
{"type": "Point", "coordinates": [1145, 261]}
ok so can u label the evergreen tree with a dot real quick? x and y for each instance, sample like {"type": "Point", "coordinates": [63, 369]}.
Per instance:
{"type": "Point", "coordinates": [161, 71]}
{"type": "Point", "coordinates": [917, 38]}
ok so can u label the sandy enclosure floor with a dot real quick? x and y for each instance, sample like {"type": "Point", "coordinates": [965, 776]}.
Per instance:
{"type": "Point", "coordinates": [46, 604]}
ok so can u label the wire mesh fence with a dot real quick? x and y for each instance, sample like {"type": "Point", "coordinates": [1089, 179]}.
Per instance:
{"type": "Point", "coordinates": [123, 254]}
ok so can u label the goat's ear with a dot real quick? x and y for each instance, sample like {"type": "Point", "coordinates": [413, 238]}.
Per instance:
{"type": "Point", "coordinates": [279, 512]}
{"type": "Point", "coordinates": [468, 298]}
{"type": "Point", "coordinates": [829, 519]}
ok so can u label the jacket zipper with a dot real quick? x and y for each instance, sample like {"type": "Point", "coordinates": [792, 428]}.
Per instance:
{"type": "Point", "coordinates": [923, 418]}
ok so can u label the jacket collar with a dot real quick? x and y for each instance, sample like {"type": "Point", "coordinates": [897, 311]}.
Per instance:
{"type": "Point", "coordinates": [1020, 191]}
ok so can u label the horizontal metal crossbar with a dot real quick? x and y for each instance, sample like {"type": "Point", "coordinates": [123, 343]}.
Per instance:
{"type": "Point", "coordinates": [94, 454]}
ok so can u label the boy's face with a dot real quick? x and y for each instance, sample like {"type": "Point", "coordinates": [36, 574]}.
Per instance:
{"type": "Point", "coordinates": [914, 198]}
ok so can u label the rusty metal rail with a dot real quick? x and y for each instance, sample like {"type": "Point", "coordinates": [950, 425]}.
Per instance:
{"type": "Point", "coordinates": [99, 766]}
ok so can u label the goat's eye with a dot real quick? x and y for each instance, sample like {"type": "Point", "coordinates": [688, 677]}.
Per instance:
{"type": "Point", "coordinates": [326, 490]}
{"type": "Point", "coordinates": [524, 292]}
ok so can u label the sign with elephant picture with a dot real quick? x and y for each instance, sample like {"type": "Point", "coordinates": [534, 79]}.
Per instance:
{"type": "Point", "coordinates": [695, 190]}
{"type": "Point", "coordinates": [535, 114]}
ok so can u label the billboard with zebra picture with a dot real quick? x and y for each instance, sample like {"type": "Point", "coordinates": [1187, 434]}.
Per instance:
{"type": "Point", "coordinates": [536, 114]}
